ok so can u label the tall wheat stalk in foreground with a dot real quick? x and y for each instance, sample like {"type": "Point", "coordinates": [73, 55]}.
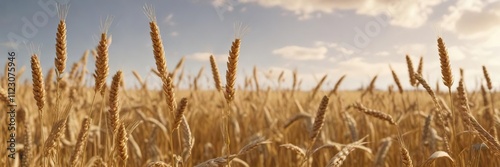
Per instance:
{"type": "Point", "coordinates": [232, 65]}
{"type": "Point", "coordinates": [60, 62]}
{"type": "Point", "coordinates": [38, 91]}
{"type": "Point", "coordinates": [161, 66]}
{"type": "Point", "coordinates": [447, 77]}
{"type": "Point", "coordinates": [61, 53]}
{"type": "Point", "coordinates": [231, 72]}
{"type": "Point", "coordinates": [445, 67]}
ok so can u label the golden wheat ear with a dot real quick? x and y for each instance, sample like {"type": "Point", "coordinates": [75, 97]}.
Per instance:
{"type": "Point", "coordinates": [232, 66]}
{"type": "Point", "coordinates": [38, 83]}
{"type": "Point", "coordinates": [215, 73]}
{"type": "Point", "coordinates": [102, 68]}
{"type": "Point", "coordinates": [180, 113]}
{"type": "Point", "coordinates": [337, 85]}
{"type": "Point", "coordinates": [114, 117]}
{"type": "Point", "coordinates": [320, 119]}
{"type": "Point", "coordinates": [81, 142]}
{"type": "Point", "coordinates": [487, 77]}
{"type": "Point", "coordinates": [61, 53]}
{"type": "Point", "coordinates": [411, 71]}
{"type": "Point", "coordinates": [232, 63]}
{"type": "Point", "coordinates": [396, 80]}
{"type": "Point", "coordinates": [121, 141]}
{"type": "Point", "coordinates": [445, 63]}
{"type": "Point", "coordinates": [158, 50]}
{"type": "Point", "coordinates": [374, 113]}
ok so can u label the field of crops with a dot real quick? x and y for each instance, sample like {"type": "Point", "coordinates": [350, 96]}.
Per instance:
{"type": "Point", "coordinates": [63, 121]}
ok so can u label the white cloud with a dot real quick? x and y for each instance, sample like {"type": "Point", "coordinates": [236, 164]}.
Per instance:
{"type": "Point", "coordinates": [357, 66]}
{"type": "Point", "coordinates": [205, 56]}
{"type": "Point", "coordinates": [336, 47]}
{"type": "Point", "coordinates": [405, 13]}
{"type": "Point", "coordinates": [10, 45]}
{"type": "Point", "coordinates": [472, 19]}
{"type": "Point", "coordinates": [174, 34]}
{"type": "Point", "coordinates": [411, 14]}
{"type": "Point", "coordinates": [301, 53]}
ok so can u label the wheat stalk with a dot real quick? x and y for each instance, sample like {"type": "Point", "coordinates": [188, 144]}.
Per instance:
{"type": "Point", "coordinates": [114, 118]}
{"type": "Point", "coordinates": [319, 120]}
{"type": "Point", "coordinates": [178, 67]}
{"type": "Point", "coordinates": [374, 113]}
{"type": "Point", "coordinates": [489, 139]}
{"type": "Point", "coordinates": [317, 87]}
{"type": "Point", "coordinates": [81, 143]}
{"type": "Point", "coordinates": [38, 90]}
{"type": "Point", "coordinates": [396, 80]}
{"type": "Point", "coordinates": [351, 124]}
{"type": "Point", "coordinates": [382, 151]}
{"type": "Point", "coordinates": [405, 157]}
{"type": "Point", "coordinates": [258, 141]}
{"type": "Point", "coordinates": [27, 157]}
{"type": "Point", "coordinates": [55, 134]}
{"type": "Point", "coordinates": [180, 113]}
{"type": "Point", "coordinates": [340, 157]}
{"type": "Point", "coordinates": [122, 143]}
{"type": "Point", "coordinates": [232, 65]}
{"type": "Point", "coordinates": [445, 63]}
{"type": "Point", "coordinates": [102, 68]}
{"type": "Point", "coordinates": [426, 133]}
{"type": "Point", "coordinates": [296, 118]}
{"type": "Point", "coordinates": [215, 73]}
{"type": "Point", "coordinates": [158, 51]}
{"type": "Point", "coordinates": [371, 86]}
{"type": "Point", "coordinates": [38, 84]}
{"type": "Point", "coordinates": [436, 155]}
{"type": "Point", "coordinates": [168, 89]}
{"type": "Point", "coordinates": [187, 139]}
{"type": "Point", "coordinates": [487, 77]}
{"type": "Point", "coordinates": [411, 71]}
{"type": "Point", "coordinates": [428, 89]}
{"type": "Point", "coordinates": [337, 85]}
{"type": "Point", "coordinates": [256, 81]}
{"type": "Point", "coordinates": [420, 67]}
{"type": "Point", "coordinates": [61, 55]}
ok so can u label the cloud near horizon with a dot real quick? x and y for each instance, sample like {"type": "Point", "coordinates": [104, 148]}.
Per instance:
{"type": "Point", "coordinates": [294, 52]}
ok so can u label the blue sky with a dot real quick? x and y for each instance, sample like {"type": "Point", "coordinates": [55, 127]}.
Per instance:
{"type": "Point", "coordinates": [358, 38]}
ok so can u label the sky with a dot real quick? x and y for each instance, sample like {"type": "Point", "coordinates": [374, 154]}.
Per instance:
{"type": "Point", "coordinates": [356, 38]}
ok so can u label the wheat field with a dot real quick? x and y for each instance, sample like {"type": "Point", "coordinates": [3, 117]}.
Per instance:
{"type": "Point", "coordinates": [63, 121]}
